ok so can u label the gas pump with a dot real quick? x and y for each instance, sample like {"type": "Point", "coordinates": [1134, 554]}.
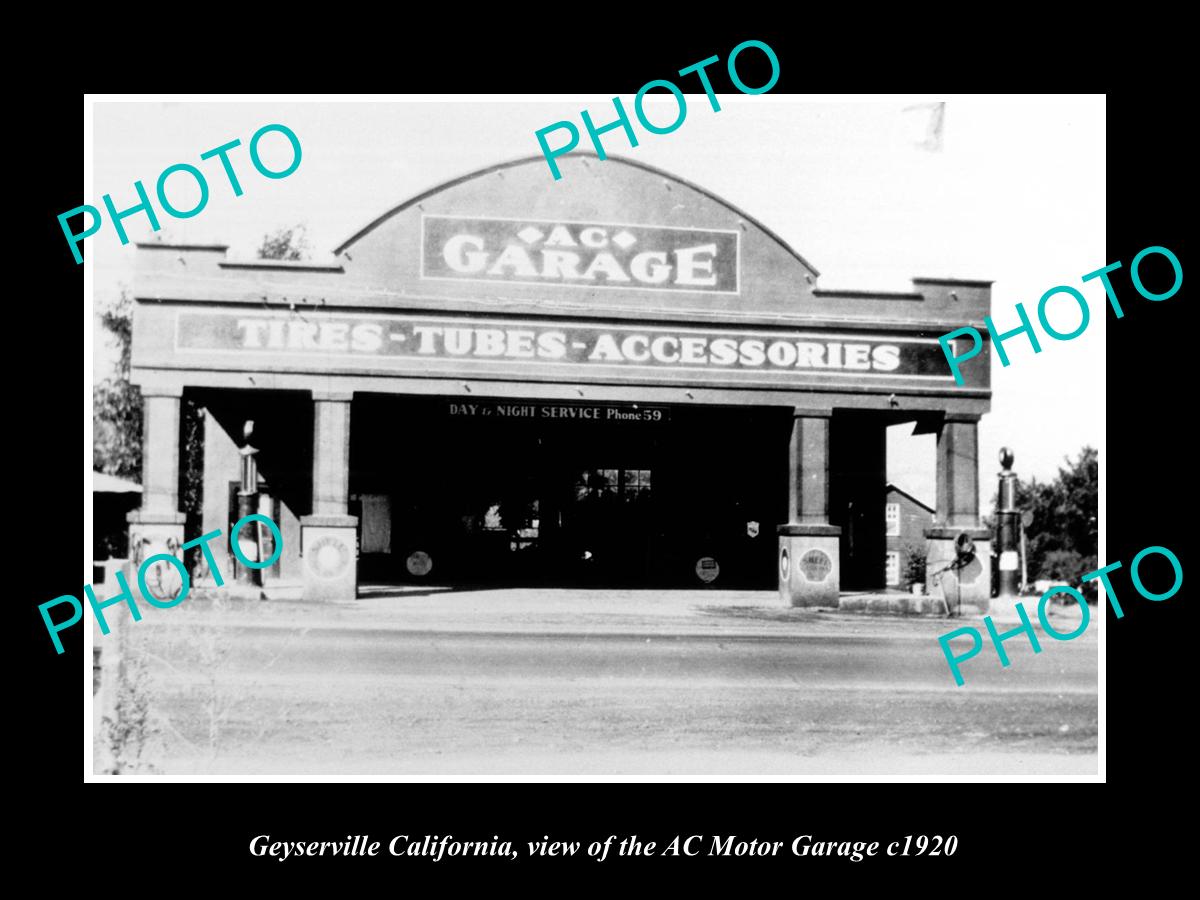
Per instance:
{"type": "Point", "coordinates": [251, 547]}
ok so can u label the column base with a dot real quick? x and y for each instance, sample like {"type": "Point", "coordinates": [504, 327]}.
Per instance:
{"type": "Point", "coordinates": [809, 565]}
{"type": "Point", "coordinates": [329, 554]}
{"type": "Point", "coordinates": [964, 588]}
{"type": "Point", "coordinates": [153, 533]}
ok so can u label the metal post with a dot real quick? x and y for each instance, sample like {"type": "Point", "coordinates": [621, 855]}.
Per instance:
{"type": "Point", "coordinates": [1007, 516]}
{"type": "Point", "coordinates": [1026, 518]}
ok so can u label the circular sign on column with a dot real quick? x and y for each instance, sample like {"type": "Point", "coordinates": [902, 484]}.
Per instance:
{"type": "Point", "coordinates": [419, 563]}
{"type": "Point", "coordinates": [785, 564]}
{"type": "Point", "coordinates": [970, 573]}
{"type": "Point", "coordinates": [164, 580]}
{"type": "Point", "coordinates": [815, 565]}
{"type": "Point", "coordinates": [707, 569]}
{"type": "Point", "coordinates": [328, 557]}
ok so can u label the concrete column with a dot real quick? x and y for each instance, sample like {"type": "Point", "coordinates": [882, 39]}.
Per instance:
{"type": "Point", "coordinates": [160, 452]}
{"type": "Point", "coordinates": [958, 473]}
{"type": "Point", "coordinates": [808, 470]}
{"type": "Point", "coordinates": [157, 527]}
{"type": "Point", "coordinates": [808, 545]}
{"type": "Point", "coordinates": [331, 454]}
{"type": "Point", "coordinates": [329, 536]}
{"type": "Point", "coordinates": [959, 580]}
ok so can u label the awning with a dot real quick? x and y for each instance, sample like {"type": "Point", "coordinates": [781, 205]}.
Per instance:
{"type": "Point", "coordinates": [111, 484]}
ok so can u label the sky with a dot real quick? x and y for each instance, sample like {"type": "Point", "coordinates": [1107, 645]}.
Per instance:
{"type": "Point", "coordinates": [1015, 196]}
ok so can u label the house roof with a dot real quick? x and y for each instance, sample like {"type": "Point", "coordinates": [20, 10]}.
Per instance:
{"type": "Point", "coordinates": [900, 490]}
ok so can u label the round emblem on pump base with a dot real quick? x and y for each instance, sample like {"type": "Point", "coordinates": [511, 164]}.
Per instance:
{"type": "Point", "coordinates": [815, 565]}
{"type": "Point", "coordinates": [970, 573]}
{"type": "Point", "coordinates": [707, 569]}
{"type": "Point", "coordinates": [328, 557]}
{"type": "Point", "coordinates": [418, 563]}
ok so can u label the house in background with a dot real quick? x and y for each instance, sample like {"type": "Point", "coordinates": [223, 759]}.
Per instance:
{"type": "Point", "coordinates": [906, 518]}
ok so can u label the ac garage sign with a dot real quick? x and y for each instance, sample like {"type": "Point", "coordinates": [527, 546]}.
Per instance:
{"type": "Point", "coordinates": [579, 254]}
{"type": "Point", "coordinates": [433, 342]}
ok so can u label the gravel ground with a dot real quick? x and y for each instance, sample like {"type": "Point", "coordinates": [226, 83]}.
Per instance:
{"type": "Point", "coordinates": [598, 684]}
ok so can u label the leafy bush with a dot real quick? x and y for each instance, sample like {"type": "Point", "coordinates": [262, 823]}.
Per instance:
{"type": "Point", "coordinates": [914, 568]}
{"type": "Point", "coordinates": [1068, 567]}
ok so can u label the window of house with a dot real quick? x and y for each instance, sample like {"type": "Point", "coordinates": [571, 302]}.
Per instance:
{"type": "Point", "coordinates": [892, 517]}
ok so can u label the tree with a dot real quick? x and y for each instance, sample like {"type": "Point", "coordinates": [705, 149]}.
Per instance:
{"type": "Point", "coordinates": [1062, 538]}
{"type": "Point", "coordinates": [117, 404]}
{"type": "Point", "coordinates": [285, 243]}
